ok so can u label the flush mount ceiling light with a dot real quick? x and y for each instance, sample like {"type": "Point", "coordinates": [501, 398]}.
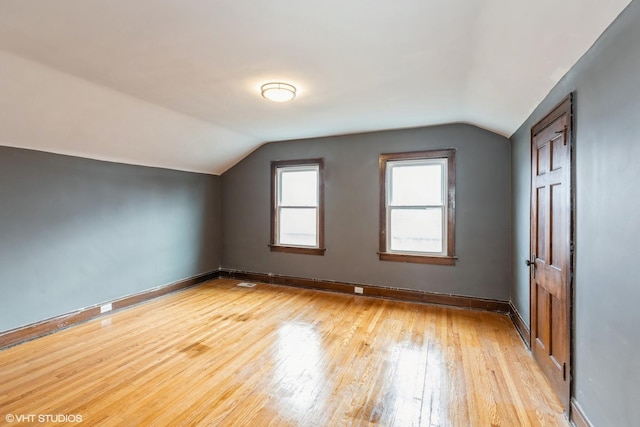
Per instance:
{"type": "Point", "coordinates": [278, 92]}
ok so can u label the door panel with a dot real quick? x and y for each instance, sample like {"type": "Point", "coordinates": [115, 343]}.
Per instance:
{"type": "Point", "coordinates": [550, 247]}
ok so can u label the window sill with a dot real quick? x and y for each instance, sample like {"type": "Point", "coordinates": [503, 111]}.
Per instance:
{"type": "Point", "coordinates": [418, 259]}
{"type": "Point", "coordinates": [297, 250]}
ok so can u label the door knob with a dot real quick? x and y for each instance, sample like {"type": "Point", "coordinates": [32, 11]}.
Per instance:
{"type": "Point", "coordinates": [532, 263]}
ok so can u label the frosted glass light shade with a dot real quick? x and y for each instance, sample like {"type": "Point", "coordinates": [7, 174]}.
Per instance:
{"type": "Point", "coordinates": [278, 92]}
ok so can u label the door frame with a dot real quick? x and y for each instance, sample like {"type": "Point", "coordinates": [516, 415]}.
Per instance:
{"type": "Point", "coordinates": [567, 105]}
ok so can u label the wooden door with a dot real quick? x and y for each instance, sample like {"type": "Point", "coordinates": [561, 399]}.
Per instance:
{"type": "Point", "coordinates": [551, 256]}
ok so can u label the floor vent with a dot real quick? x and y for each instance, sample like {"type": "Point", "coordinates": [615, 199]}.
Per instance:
{"type": "Point", "coordinates": [246, 285]}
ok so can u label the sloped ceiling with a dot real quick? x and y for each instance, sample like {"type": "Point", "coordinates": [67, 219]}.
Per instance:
{"type": "Point", "coordinates": [175, 83]}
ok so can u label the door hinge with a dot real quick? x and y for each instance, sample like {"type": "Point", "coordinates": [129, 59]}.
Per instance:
{"type": "Point", "coordinates": [564, 371]}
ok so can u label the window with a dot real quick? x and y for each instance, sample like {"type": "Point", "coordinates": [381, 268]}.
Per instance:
{"type": "Point", "coordinates": [417, 207]}
{"type": "Point", "coordinates": [297, 199]}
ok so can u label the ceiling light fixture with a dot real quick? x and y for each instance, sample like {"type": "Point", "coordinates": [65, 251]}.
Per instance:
{"type": "Point", "coordinates": [278, 92]}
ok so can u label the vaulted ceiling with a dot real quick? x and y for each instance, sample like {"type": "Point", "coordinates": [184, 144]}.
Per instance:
{"type": "Point", "coordinates": [175, 83]}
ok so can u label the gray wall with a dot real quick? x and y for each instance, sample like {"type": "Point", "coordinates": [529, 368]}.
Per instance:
{"type": "Point", "coordinates": [483, 200]}
{"type": "Point", "coordinates": [77, 232]}
{"type": "Point", "coordinates": [607, 283]}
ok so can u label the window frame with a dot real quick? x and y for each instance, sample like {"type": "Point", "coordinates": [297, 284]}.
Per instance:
{"type": "Point", "coordinates": [385, 253]}
{"type": "Point", "coordinates": [274, 245]}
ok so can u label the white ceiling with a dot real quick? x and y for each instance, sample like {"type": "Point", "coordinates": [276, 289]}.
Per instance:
{"type": "Point", "coordinates": [174, 83]}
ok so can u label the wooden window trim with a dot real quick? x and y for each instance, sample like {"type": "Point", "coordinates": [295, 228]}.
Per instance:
{"type": "Point", "coordinates": [320, 250]}
{"type": "Point", "coordinates": [417, 259]}
{"type": "Point", "coordinates": [384, 254]}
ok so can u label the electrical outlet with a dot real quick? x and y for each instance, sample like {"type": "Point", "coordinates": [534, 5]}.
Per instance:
{"type": "Point", "coordinates": [106, 307]}
{"type": "Point", "coordinates": [358, 290]}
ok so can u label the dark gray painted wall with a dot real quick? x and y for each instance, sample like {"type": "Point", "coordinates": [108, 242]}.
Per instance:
{"type": "Point", "coordinates": [77, 232]}
{"type": "Point", "coordinates": [607, 283]}
{"type": "Point", "coordinates": [351, 212]}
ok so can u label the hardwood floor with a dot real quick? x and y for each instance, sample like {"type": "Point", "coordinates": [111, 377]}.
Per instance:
{"type": "Point", "coordinates": [222, 355]}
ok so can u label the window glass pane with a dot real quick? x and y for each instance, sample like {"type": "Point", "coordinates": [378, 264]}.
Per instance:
{"type": "Point", "coordinates": [416, 230]}
{"type": "Point", "coordinates": [298, 227]}
{"type": "Point", "coordinates": [299, 187]}
{"type": "Point", "coordinates": [416, 184]}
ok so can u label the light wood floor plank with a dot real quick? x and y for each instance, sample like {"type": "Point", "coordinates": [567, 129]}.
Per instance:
{"type": "Point", "coordinates": [222, 355]}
